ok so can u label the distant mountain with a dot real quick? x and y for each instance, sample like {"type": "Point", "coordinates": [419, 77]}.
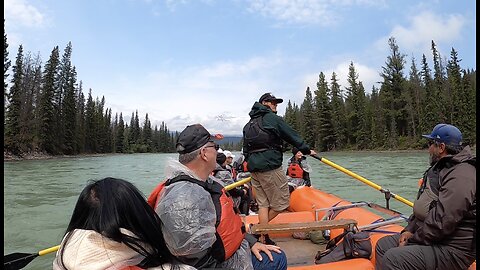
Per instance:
{"type": "Point", "coordinates": [230, 140]}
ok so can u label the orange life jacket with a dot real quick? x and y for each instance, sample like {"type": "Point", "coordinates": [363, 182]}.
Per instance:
{"type": "Point", "coordinates": [230, 230]}
{"type": "Point", "coordinates": [244, 164]}
{"type": "Point", "coordinates": [294, 170]}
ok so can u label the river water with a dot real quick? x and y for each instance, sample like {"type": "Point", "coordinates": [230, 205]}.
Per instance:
{"type": "Point", "coordinates": [39, 195]}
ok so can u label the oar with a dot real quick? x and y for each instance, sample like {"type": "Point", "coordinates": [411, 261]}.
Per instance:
{"type": "Point", "coordinates": [18, 260]}
{"type": "Point", "coordinates": [362, 179]}
{"type": "Point", "coordinates": [238, 183]}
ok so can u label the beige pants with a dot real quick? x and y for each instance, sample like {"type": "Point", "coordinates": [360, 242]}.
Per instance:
{"type": "Point", "coordinates": [271, 189]}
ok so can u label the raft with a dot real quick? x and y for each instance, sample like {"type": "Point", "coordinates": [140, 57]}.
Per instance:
{"type": "Point", "coordinates": [308, 207]}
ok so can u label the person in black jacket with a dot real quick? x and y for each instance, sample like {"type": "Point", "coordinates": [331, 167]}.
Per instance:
{"type": "Point", "coordinates": [263, 138]}
{"type": "Point", "coordinates": [440, 233]}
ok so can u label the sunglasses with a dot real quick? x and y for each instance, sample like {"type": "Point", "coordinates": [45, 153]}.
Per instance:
{"type": "Point", "coordinates": [216, 146]}
{"type": "Point", "coordinates": [430, 142]}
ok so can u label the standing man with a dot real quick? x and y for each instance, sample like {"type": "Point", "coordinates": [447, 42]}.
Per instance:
{"type": "Point", "coordinates": [199, 223]}
{"type": "Point", "coordinates": [263, 137]}
{"type": "Point", "coordinates": [440, 233]}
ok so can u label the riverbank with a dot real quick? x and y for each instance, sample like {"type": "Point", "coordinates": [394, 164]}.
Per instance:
{"type": "Point", "coordinates": [7, 156]}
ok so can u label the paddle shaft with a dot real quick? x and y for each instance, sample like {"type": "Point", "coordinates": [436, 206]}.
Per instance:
{"type": "Point", "coordinates": [238, 183]}
{"type": "Point", "coordinates": [362, 179]}
{"type": "Point", "coordinates": [20, 260]}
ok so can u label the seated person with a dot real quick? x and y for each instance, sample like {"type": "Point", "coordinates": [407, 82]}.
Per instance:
{"type": "Point", "coordinates": [199, 222]}
{"type": "Point", "coordinates": [298, 170]}
{"type": "Point", "coordinates": [225, 177]}
{"type": "Point", "coordinates": [113, 227]}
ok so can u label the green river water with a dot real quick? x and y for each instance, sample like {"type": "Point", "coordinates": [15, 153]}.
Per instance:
{"type": "Point", "coordinates": [39, 195]}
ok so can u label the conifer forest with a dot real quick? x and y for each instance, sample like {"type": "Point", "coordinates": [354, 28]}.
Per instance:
{"type": "Point", "coordinates": [46, 109]}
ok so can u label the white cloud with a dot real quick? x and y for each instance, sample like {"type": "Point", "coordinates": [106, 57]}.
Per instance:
{"type": "Point", "coordinates": [424, 27]}
{"type": "Point", "coordinates": [22, 13]}
{"type": "Point", "coordinates": [322, 12]}
{"type": "Point", "coordinates": [219, 95]}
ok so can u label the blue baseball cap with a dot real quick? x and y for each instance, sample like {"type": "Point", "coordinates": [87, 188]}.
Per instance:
{"type": "Point", "coordinates": [445, 133]}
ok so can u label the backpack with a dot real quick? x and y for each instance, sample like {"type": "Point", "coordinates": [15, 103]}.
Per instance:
{"type": "Point", "coordinates": [354, 245]}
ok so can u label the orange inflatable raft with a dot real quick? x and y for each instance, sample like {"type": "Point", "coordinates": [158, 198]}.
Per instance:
{"type": "Point", "coordinates": [307, 207]}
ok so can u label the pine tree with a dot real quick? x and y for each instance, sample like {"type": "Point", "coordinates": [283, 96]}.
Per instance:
{"type": "Point", "coordinates": [147, 134]}
{"type": "Point", "coordinates": [355, 108]}
{"type": "Point", "coordinates": [392, 91]}
{"type": "Point", "coordinates": [429, 116]}
{"type": "Point", "coordinates": [415, 97]}
{"type": "Point", "coordinates": [455, 106]}
{"type": "Point", "coordinates": [441, 96]}
{"type": "Point", "coordinates": [91, 131]}
{"type": "Point", "coordinates": [80, 119]}
{"type": "Point", "coordinates": [47, 110]}
{"type": "Point", "coordinates": [6, 66]}
{"type": "Point", "coordinates": [31, 87]}
{"type": "Point", "coordinates": [64, 79]}
{"type": "Point", "coordinates": [338, 113]}
{"type": "Point", "coordinates": [469, 107]}
{"type": "Point", "coordinates": [12, 140]}
{"type": "Point", "coordinates": [325, 133]}
{"type": "Point", "coordinates": [70, 115]}
{"type": "Point", "coordinates": [120, 135]}
{"type": "Point", "coordinates": [308, 119]}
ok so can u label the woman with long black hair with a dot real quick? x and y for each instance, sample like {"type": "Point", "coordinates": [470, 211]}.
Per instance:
{"type": "Point", "coordinates": [113, 227]}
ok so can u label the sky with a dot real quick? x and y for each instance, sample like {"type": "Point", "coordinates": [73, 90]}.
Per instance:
{"type": "Point", "coordinates": [208, 61]}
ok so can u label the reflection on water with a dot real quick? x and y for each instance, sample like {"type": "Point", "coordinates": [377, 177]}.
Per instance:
{"type": "Point", "coordinates": [40, 194]}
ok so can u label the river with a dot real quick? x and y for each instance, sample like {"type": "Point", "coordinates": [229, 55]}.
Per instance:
{"type": "Point", "coordinates": [39, 195]}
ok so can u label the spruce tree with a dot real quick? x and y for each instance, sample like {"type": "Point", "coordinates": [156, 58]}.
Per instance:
{"type": "Point", "coordinates": [91, 131]}
{"type": "Point", "coordinates": [70, 115]}
{"type": "Point", "coordinates": [441, 96]}
{"type": "Point", "coordinates": [308, 119]}
{"type": "Point", "coordinates": [325, 133]}
{"type": "Point", "coordinates": [12, 140]}
{"type": "Point", "coordinates": [338, 113]}
{"type": "Point", "coordinates": [120, 135]}
{"type": "Point", "coordinates": [392, 91]}
{"type": "Point", "coordinates": [47, 110]}
{"type": "Point", "coordinates": [429, 116]}
{"type": "Point", "coordinates": [6, 66]}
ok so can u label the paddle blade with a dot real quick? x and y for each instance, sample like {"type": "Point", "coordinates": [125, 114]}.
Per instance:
{"type": "Point", "coordinates": [17, 260]}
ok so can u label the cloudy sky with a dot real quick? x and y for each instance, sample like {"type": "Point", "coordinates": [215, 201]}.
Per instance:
{"type": "Point", "coordinates": [207, 61]}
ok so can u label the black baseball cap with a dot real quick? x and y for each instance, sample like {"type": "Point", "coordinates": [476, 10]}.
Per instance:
{"type": "Point", "coordinates": [269, 97]}
{"type": "Point", "coordinates": [193, 137]}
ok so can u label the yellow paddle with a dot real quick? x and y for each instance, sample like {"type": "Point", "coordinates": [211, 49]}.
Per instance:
{"type": "Point", "coordinates": [19, 260]}
{"type": "Point", "coordinates": [362, 179]}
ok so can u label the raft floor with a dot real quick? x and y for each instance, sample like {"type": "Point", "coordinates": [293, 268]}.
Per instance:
{"type": "Point", "coordinates": [299, 252]}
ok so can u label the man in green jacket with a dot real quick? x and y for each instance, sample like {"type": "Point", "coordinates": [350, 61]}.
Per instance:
{"type": "Point", "coordinates": [263, 138]}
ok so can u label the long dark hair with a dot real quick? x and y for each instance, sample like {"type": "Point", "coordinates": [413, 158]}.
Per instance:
{"type": "Point", "coordinates": [109, 204]}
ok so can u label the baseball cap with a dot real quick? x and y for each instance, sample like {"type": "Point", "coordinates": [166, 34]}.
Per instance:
{"type": "Point", "coordinates": [193, 137]}
{"type": "Point", "coordinates": [445, 133]}
{"type": "Point", "coordinates": [269, 97]}
{"type": "Point", "coordinates": [228, 154]}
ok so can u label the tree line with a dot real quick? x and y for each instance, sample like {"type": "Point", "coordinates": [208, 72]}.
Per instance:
{"type": "Point", "coordinates": [393, 116]}
{"type": "Point", "coordinates": [46, 112]}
